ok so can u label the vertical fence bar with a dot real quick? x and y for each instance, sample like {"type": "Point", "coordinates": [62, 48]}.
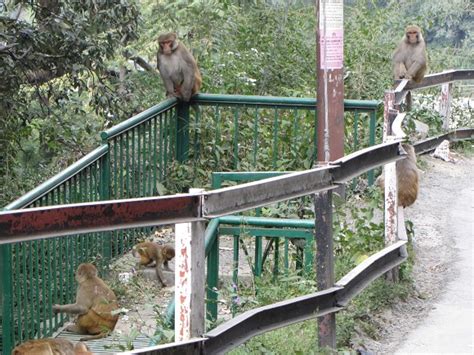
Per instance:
{"type": "Point", "coordinates": [217, 120]}
{"type": "Point", "coordinates": [213, 275]}
{"type": "Point", "coordinates": [255, 138]}
{"type": "Point", "coordinates": [235, 259]}
{"type": "Point", "coordinates": [182, 132]}
{"type": "Point", "coordinates": [236, 138]}
{"type": "Point", "coordinates": [6, 298]}
{"type": "Point", "coordinates": [138, 171]}
{"type": "Point", "coordinates": [275, 139]}
{"type": "Point", "coordinates": [296, 139]}
{"type": "Point", "coordinates": [104, 194]}
{"type": "Point", "coordinates": [372, 123]}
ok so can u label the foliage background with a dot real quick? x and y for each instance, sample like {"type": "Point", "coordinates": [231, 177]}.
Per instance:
{"type": "Point", "coordinates": [71, 69]}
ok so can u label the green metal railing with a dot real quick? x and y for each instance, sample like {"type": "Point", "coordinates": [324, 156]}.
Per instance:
{"type": "Point", "coordinates": [138, 157]}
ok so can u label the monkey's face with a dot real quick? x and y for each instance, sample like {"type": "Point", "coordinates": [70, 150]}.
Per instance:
{"type": "Point", "coordinates": [412, 34]}
{"type": "Point", "coordinates": [168, 253]}
{"type": "Point", "coordinates": [166, 47]}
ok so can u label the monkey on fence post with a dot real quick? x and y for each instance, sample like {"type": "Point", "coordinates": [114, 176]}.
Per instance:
{"type": "Point", "coordinates": [409, 59]}
{"type": "Point", "coordinates": [95, 305]}
{"type": "Point", "coordinates": [177, 67]}
{"type": "Point", "coordinates": [150, 252]}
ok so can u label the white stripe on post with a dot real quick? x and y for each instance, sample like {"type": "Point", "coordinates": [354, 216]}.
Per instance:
{"type": "Point", "coordinates": [189, 279]}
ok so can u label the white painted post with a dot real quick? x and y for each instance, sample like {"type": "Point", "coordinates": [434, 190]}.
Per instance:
{"type": "Point", "coordinates": [390, 174]}
{"type": "Point", "coordinates": [189, 279]}
{"type": "Point", "coordinates": [391, 203]}
{"type": "Point", "coordinates": [445, 104]}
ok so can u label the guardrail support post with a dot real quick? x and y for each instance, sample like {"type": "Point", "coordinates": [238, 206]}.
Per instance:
{"type": "Point", "coordinates": [324, 264]}
{"type": "Point", "coordinates": [445, 104]}
{"type": "Point", "coordinates": [390, 177]}
{"type": "Point", "coordinates": [189, 279]}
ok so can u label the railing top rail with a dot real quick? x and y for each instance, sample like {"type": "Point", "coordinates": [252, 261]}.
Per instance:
{"type": "Point", "coordinates": [53, 221]}
{"type": "Point", "coordinates": [58, 179]}
{"type": "Point", "coordinates": [431, 80]}
{"type": "Point", "coordinates": [139, 118]}
{"type": "Point", "coordinates": [276, 101]}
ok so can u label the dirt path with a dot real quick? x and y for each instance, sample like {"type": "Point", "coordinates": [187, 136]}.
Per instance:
{"type": "Point", "coordinates": [443, 224]}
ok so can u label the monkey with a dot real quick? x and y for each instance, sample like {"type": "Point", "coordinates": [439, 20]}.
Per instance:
{"type": "Point", "coordinates": [407, 178]}
{"type": "Point", "coordinates": [51, 346]}
{"type": "Point", "coordinates": [94, 307]}
{"type": "Point", "coordinates": [177, 67]}
{"type": "Point", "coordinates": [409, 59]}
{"type": "Point", "coordinates": [150, 252]}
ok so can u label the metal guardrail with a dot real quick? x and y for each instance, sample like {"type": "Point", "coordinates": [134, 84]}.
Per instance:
{"type": "Point", "coordinates": [260, 320]}
{"type": "Point", "coordinates": [429, 144]}
{"type": "Point", "coordinates": [47, 222]}
{"type": "Point", "coordinates": [404, 86]}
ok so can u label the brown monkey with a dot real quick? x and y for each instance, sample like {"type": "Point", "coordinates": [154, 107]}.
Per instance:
{"type": "Point", "coordinates": [51, 346]}
{"type": "Point", "coordinates": [407, 178]}
{"type": "Point", "coordinates": [178, 68]}
{"type": "Point", "coordinates": [409, 59]}
{"type": "Point", "coordinates": [150, 252]}
{"type": "Point", "coordinates": [95, 302]}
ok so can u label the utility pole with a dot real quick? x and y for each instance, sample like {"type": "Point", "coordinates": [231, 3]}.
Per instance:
{"type": "Point", "coordinates": [330, 113]}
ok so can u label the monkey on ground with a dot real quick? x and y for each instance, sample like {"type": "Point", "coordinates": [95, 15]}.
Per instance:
{"type": "Point", "coordinates": [95, 303]}
{"type": "Point", "coordinates": [407, 178]}
{"type": "Point", "coordinates": [177, 67]}
{"type": "Point", "coordinates": [409, 59]}
{"type": "Point", "coordinates": [150, 252]}
{"type": "Point", "coordinates": [51, 346]}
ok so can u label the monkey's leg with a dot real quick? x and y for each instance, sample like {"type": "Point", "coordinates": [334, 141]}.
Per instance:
{"type": "Point", "coordinates": [414, 69]}
{"type": "Point", "coordinates": [76, 329]}
{"type": "Point", "coordinates": [72, 308]}
{"type": "Point", "coordinates": [97, 336]}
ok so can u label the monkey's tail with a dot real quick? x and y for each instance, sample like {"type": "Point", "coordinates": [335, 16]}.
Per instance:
{"type": "Point", "coordinates": [97, 336]}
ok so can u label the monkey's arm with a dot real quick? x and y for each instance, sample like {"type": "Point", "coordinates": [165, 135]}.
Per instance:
{"type": "Point", "coordinates": [415, 67]}
{"type": "Point", "coordinates": [73, 308]}
{"type": "Point", "coordinates": [159, 274]}
{"type": "Point", "coordinates": [188, 75]}
{"type": "Point", "coordinates": [166, 77]}
{"type": "Point", "coordinates": [166, 266]}
{"type": "Point", "coordinates": [400, 70]}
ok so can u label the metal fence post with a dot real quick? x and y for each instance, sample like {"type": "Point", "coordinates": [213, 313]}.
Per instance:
{"type": "Point", "coordinates": [189, 279]}
{"type": "Point", "coordinates": [325, 264]}
{"type": "Point", "coordinates": [104, 193]}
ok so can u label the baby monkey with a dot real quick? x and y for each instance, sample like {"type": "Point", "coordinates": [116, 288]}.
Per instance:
{"type": "Point", "coordinates": [150, 252]}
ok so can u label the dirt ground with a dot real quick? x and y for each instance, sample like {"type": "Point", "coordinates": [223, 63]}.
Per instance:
{"type": "Point", "coordinates": [435, 249]}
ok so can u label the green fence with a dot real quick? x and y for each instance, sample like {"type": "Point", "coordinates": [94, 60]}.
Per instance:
{"type": "Point", "coordinates": [167, 143]}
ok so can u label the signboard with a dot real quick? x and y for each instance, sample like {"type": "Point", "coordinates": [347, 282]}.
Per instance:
{"type": "Point", "coordinates": [331, 31]}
